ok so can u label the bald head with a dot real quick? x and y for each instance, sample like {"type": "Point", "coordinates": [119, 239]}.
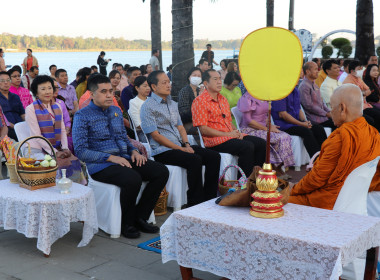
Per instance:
{"type": "Point", "coordinates": [346, 104]}
{"type": "Point", "coordinates": [310, 70]}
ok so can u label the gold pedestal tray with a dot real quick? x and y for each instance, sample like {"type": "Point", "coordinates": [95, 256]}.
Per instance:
{"type": "Point", "coordinates": [267, 200]}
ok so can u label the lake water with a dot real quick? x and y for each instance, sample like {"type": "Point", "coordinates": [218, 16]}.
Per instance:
{"type": "Point", "coordinates": [73, 61]}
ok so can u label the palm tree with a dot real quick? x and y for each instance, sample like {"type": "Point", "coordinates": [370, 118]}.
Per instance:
{"type": "Point", "coordinates": [182, 43]}
{"type": "Point", "coordinates": [270, 12]}
{"type": "Point", "coordinates": [155, 27]}
{"type": "Point", "coordinates": [365, 44]}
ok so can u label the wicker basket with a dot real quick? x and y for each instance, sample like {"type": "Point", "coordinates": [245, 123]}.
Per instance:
{"type": "Point", "coordinates": [162, 203]}
{"type": "Point", "coordinates": [12, 173]}
{"type": "Point", "coordinates": [36, 179]}
{"type": "Point", "coordinates": [225, 185]}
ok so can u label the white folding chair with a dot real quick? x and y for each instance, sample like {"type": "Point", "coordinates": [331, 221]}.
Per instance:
{"type": "Point", "coordinates": [22, 130]}
{"type": "Point", "coordinates": [352, 198]}
{"type": "Point", "coordinates": [225, 160]}
{"type": "Point", "coordinates": [237, 115]}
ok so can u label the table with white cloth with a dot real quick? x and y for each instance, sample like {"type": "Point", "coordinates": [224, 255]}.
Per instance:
{"type": "Point", "coordinates": [46, 214]}
{"type": "Point", "coordinates": [306, 243]}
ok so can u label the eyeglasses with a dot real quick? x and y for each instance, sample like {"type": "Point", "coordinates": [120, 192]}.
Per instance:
{"type": "Point", "coordinates": [16, 76]}
{"type": "Point", "coordinates": [5, 81]}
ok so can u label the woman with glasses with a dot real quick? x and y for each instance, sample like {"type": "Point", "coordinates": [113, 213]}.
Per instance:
{"type": "Point", "coordinates": [23, 93]}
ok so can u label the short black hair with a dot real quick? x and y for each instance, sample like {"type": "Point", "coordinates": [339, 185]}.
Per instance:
{"type": "Point", "coordinates": [170, 67]}
{"type": "Point", "coordinates": [369, 57]}
{"type": "Point", "coordinates": [95, 79]}
{"type": "Point", "coordinates": [230, 77]}
{"type": "Point", "coordinates": [51, 66]}
{"type": "Point", "coordinates": [113, 73]}
{"type": "Point", "coordinates": [5, 73]}
{"type": "Point", "coordinates": [102, 53]}
{"type": "Point", "coordinates": [191, 72]}
{"type": "Point", "coordinates": [29, 50]}
{"type": "Point", "coordinates": [59, 71]}
{"type": "Point", "coordinates": [93, 67]}
{"type": "Point", "coordinates": [18, 68]}
{"type": "Point", "coordinates": [153, 78]}
{"type": "Point", "coordinates": [41, 79]}
{"type": "Point", "coordinates": [1, 50]}
{"type": "Point", "coordinates": [155, 51]}
{"type": "Point", "coordinates": [208, 45]}
{"type": "Point", "coordinates": [131, 69]}
{"type": "Point", "coordinates": [138, 82]}
{"type": "Point", "coordinates": [353, 64]}
{"type": "Point", "coordinates": [202, 60]}
{"type": "Point", "coordinates": [206, 75]}
{"type": "Point", "coordinates": [346, 63]}
{"type": "Point", "coordinates": [12, 70]}
{"type": "Point", "coordinates": [328, 64]}
{"type": "Point", "coordinates": [126, 67]}
{"type": "Point", "coordinates": [315, 59]}
{"type": "Point", "coordinates": [33, 68]}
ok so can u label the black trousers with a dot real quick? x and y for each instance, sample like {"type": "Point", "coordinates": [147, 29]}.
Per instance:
{"type": "Point", "coordinates": [372, 115]}
{"type": "Point", "coordinates": [12, 133]}
{"type": "Point", "coordinates": [328, 123]}
{"type": "Point", "coordinates": [129, 181]}
{"type": "Point", "coordinates": [250, 150]}
{"type": "Point", "coordinates": [312, 137]}
{"type": "Point", "coordinates": [193, 165]}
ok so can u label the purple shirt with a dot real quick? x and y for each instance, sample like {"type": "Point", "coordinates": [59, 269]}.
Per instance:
{"type": "Point", "coordinates": [252, 109]}
{"type": "Point", "coordinates": [290, 104]}
{"type": "Point", "coordinates": [312, 103]}
{"type": "Point", "coordinates": [65, 113]}
{"type": "Point", "coordinates": [69, 94]}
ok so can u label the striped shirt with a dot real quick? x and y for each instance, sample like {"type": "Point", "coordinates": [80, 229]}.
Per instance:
{"type": "Point", "coordinates": [163, 116]}
{"type": "Point", "coordinates": [99, 133]}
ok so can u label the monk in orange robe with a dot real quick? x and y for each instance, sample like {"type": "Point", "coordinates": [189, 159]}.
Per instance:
{"type": "Point", "coordinates": [352, 144]}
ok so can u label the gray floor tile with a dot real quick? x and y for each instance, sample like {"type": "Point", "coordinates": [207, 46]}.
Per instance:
{"type": "Point", "coordinates": [51, 272]}
{"type": "Point", "coordinates": [12, 263]}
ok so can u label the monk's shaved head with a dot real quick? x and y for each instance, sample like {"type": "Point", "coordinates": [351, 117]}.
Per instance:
{"type": "Point", "coordinates": [346, 104]}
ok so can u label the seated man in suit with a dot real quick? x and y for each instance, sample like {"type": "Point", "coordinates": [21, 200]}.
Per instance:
{"type": "Point", "coordinates": [352, 144]}
{"type": "Point", "coordinates": [100, 140]}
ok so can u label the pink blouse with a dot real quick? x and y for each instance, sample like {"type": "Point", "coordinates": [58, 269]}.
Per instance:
{"type": "Point", "coordinates": [24, 94]}
{"type": "Point", "coordinates": [252, 109]}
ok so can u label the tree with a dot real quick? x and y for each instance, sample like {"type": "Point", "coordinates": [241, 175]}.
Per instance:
{"type": "Point", "coordinates": [270, 12]}
{"type": "Point", "coordinates": [327, 51]}
{"type": "Point", "coordinates": [339, 43]}
{"type": "Point", "coordinates": [182, 43]}
{"type": "Point", "coordinates": [155, 27]}
{"type": "Point", "coordinates": [365, 45]}
{"type": "Point", "coordinates": [346, 51]}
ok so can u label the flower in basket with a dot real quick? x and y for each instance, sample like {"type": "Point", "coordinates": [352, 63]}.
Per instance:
{"type": "Point", "coordinates": [45, 163]}
{"type": "Point", "coordinates": [48, 157]}
{"type": "Point", "coordinates": [52, 163]}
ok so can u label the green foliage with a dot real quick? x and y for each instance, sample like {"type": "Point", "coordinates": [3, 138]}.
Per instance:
{"type": "Point", "coordinates": [339, 43]}
{"type": "Point", "coordinates": [378, 51]}
{"type": "Point", "coordinates": [327, 52]}
{"type": "Point", "coordinates": [45, 42]}
{"type": "Point", "coordinates": [346, 51]}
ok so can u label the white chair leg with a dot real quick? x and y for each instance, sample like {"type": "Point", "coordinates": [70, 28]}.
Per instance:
{"type": "Point", "coordinates": [115, 235]}
{"type": "Point", "coordinates": [297, 168]}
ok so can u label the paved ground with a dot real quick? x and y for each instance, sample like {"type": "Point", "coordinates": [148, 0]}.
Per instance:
{"type": "Point", "coordinates": [104, 258]}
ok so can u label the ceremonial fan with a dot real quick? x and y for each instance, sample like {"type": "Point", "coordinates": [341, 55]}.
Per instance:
{"type": "Point", "coordinates": [270, 63]}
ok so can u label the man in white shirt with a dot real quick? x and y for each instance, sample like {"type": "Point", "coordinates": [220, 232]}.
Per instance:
{"type": "Point", "coordinates": [154, 60]}
{"type": "Point", "coordinates": [345, 72]}
{"type": "Point", "coordinates": [28, 78]}
{"type": "Point", "coordinates": [331, 68]}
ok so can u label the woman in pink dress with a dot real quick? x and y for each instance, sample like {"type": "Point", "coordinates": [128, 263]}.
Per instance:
{"type": "Point", "coordinates": [23, 93]}
{"type": "Point", "coordinates": [253, 122]}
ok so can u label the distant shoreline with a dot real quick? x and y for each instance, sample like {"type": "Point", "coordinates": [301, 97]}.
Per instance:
{"type": "Point", "coordinates": [93, 50]}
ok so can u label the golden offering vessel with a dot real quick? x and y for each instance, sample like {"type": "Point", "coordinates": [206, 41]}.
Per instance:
{"type": "Point", "coordinates": [267, 200]}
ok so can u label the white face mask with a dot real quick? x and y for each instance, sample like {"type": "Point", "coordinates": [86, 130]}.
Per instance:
{"type": "Point", "coordinates": [195, 81]}
{"type": "Point", "coordinates": [359, 73]}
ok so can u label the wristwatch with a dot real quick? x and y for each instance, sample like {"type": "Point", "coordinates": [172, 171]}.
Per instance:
{"type": "Point", "coordinates": [187, 143]}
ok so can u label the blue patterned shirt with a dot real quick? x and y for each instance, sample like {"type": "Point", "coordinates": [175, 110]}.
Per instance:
{"type": "Point", "coordinates": [163, 116]}
{"type": "Point", "coordinates": [99, 133]}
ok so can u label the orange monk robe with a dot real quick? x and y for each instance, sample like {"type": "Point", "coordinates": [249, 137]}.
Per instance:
{"type": "Point", "coordinates": [321, 77]}
{"type": "Point", "coordinates": [86, 98]}
{"type": "Point", "coordinates": [348, 147]}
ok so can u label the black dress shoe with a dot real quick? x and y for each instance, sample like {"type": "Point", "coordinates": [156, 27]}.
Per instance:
{"type": "Point", "coordinates": [130, 232]}
{"type": "Point", "coordinates": [142, 225]}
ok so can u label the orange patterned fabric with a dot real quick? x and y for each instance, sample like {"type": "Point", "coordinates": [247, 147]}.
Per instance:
{"type": "Point", "coordinates": [209, 112]}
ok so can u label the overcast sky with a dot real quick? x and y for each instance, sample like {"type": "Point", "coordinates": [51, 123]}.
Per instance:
{"type": "Point", "coordinates": [213, 20]}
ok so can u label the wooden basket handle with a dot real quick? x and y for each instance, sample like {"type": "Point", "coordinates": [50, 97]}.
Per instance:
{"type": "Point", "coordinates": [22, 143]}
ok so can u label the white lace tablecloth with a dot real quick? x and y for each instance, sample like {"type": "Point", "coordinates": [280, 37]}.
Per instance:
{"type": "Point", "coordinates": [307, 243]}
{"type": "Point", "coordinates": [46, 214]}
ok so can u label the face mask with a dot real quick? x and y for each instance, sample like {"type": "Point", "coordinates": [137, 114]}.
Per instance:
{"type": "Point", "coordinates": [359, 73]}
{"type": "Point", "coordinates": [342, 68]}
{"type": "Point", "coordinates": [195, 81]}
